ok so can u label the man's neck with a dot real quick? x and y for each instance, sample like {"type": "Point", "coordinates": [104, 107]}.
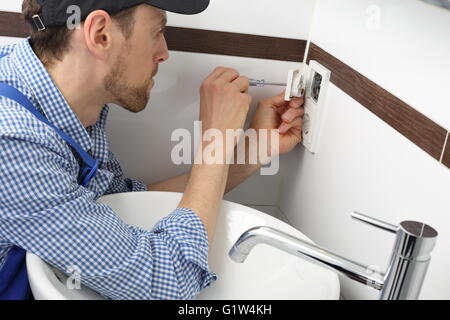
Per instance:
{"type": "Point", "coordinates": [79, 87]}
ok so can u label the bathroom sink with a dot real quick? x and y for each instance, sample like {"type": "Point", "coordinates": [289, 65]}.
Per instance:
{"type": "Point", "coordinates": [268, 273]}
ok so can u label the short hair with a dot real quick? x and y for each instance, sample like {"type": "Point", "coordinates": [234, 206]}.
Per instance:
{"type": "Point", "coordinates": [53, 43]}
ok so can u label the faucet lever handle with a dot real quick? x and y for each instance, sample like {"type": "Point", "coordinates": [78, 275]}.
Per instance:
{"type": "Point", "coordinates": [374, 222]}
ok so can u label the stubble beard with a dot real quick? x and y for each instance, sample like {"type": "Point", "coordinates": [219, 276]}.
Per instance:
{"type": "Point", "coordinates": [133, 99]}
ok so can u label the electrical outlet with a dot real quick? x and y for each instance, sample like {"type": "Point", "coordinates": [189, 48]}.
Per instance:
{"type": "Point", "coordinates": [316, 78]}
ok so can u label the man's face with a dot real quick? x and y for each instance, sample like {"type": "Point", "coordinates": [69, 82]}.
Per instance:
{"type": "Point", "coordinates": [131, 77]}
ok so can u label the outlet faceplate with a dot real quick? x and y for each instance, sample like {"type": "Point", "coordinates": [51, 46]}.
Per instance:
{"type": "Point", "coordinates": [295, 85]}
{"type": "Point", "coordinates": [316, 78]}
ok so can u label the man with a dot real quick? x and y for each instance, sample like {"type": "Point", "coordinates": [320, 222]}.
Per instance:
{"type": "Point", "coordinates": [49, 208]}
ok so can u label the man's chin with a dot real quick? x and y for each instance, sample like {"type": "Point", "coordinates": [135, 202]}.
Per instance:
{"type": "Point", "coordinates": [137, 104]}
{"type": "Point", "coordinates": [137, 109]}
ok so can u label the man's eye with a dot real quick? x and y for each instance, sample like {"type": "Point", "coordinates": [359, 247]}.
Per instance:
{"type": "Point", "coordinates": [163, 30]}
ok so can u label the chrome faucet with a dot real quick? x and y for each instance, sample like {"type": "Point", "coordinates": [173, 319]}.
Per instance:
{"type": "Point", "coordinates": [405, 273]}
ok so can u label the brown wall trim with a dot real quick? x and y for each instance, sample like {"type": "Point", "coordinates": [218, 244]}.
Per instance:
{"type": "Point", "coordinates": [12, 25]}
{"type": "Point", "coordinates": [422, 131]}
{"type": "Point", "coordinates": [235, 44]}
{"type": "Point", "coordinates": [199, 41]}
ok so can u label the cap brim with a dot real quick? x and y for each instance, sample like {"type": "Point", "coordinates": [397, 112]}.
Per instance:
{"type": "Point", "coordinates": [180, 6]}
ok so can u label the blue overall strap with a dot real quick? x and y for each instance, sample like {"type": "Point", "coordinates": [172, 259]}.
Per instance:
{"type": "Point", "coordinates": [14, 284]}
{"type": "Point", "coordinates": [90, 164]}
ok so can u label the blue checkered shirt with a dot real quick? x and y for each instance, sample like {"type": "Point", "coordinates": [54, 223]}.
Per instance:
{"type": "Point", "coordinates": [45, 211]}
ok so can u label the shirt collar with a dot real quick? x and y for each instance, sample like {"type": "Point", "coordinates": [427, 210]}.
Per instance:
{"type": "Point", "coordinates": [49, 97]}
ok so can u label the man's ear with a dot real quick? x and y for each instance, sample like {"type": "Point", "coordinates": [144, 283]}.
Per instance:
{"type": "Point", "coordinates": [98, 33]}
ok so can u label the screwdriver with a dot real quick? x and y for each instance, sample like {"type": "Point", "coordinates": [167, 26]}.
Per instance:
{"type": "Point", "coordinates": [262, 83]}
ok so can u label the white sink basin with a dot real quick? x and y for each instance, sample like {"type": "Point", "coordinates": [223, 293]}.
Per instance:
{"type": "Point", "coordinates": [268, 273]}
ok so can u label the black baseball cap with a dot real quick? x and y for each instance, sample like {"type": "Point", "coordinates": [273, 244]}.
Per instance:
{"type": "Point", "coordinates": [54, 13]}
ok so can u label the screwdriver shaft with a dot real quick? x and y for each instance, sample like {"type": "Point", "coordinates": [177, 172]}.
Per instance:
{"type": "Point", "coordinates": [262, 83]}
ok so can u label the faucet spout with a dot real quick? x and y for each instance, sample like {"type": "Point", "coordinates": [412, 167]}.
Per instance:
{"type": "Point", "coordinates": [308, 251]}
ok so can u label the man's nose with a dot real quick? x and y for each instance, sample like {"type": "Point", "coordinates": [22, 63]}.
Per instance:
{"type": "Point", "coordinates": [164, 55]}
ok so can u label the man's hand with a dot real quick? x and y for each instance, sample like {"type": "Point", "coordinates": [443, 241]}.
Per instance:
{"type": "Point", "coordinates": [275, 113]}
{"type": "Point", "coordinates": [224, 101]}
{"type": "Point", "coordinates": [272, 113]}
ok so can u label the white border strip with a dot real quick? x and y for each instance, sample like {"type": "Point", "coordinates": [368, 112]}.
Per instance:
{"type": "Point", "coordinates": [445, 145]}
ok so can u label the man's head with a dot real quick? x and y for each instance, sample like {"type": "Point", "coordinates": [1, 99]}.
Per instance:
{"type": "Point", "coordinates": [120, 52]}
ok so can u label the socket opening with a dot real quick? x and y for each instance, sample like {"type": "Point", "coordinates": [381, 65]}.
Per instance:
{"type": "Point", "coordinates": [315, 86]}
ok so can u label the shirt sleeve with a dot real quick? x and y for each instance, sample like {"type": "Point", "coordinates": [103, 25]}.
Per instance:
{"type": "Point", "coordinates": [44, 211]}
{"type": "Point", "coordinates": [120, 184]}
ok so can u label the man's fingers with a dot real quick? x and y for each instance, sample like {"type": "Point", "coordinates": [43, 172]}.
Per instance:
{"type": "Point", "coordinates": [285, 127]}
{"type": "Point", "coordinates": [278, 101]}
{"type": "Point", "coordinates": [217, 72]}
{"type": "Point", "coordinates": [296, 102]}
{"type": "Point", "coordinates": [292, 113]}
{"type": "Point", "coordinates": [242, 83]}
{"type": "Point", "coordinates": [281, 110]}
{"type": "Point", "coordinates": [297, 133]}
{"type": "Point", "coordinates": [222, 75]}
{"type": "Point", "coordinates": [287, 106]}
{"type": "Point", "coordinates": [228, 76]}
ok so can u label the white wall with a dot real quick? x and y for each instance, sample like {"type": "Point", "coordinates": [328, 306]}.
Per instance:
{"type": "Point", "coordinates": [401, 45]}
{"type": "Point", "coordinates": [284, 19]}
{"type": "Point", "coordinates": [4, 41]}
{"type": "Point", "coordinates": [363, 164]}
{"type": "Point", "coordinates": [11, 5]}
